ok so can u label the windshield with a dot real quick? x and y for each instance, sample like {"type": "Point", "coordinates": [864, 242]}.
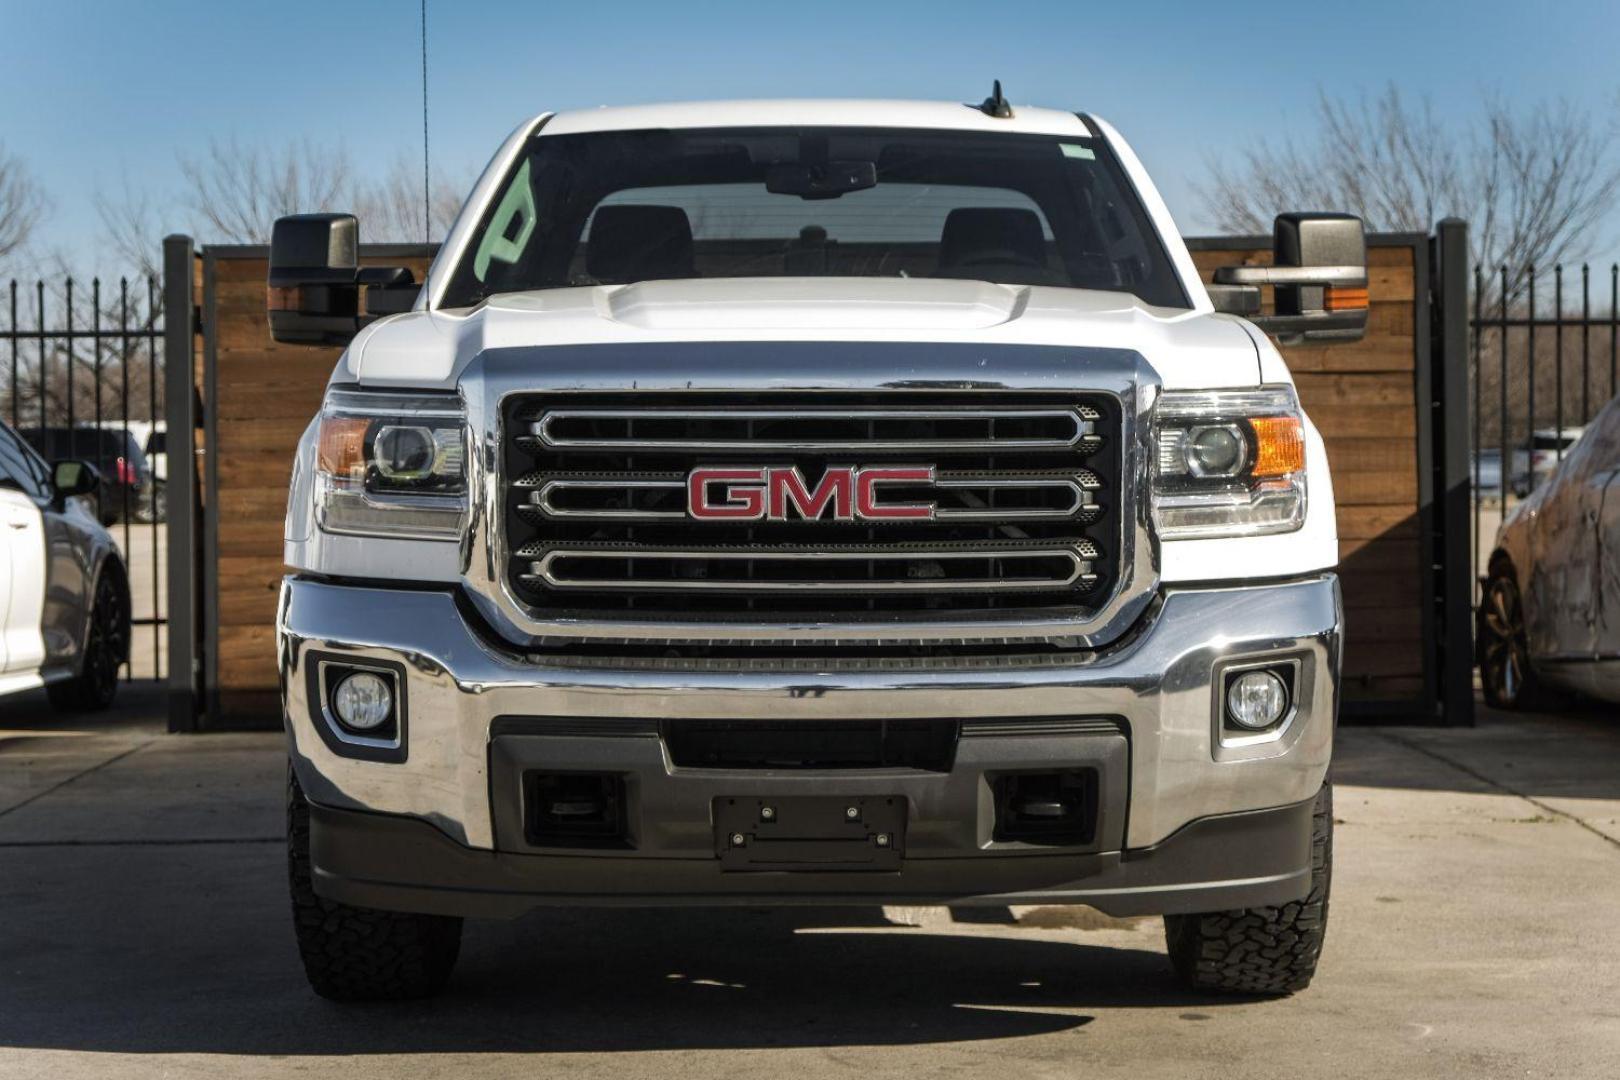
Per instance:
{"type": "Point", "coordinates": [625, 206]}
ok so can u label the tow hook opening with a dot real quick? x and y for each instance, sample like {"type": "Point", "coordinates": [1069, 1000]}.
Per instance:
{"type": "Point", "coordinates": [1050, 808]}
{"type": "Point", "coordinates": [576, 810]}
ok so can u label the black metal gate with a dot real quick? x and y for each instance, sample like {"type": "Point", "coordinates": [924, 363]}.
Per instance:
{"type": "Point", "coordinates": [83, 374]}
{"type": "Point", "coordinates": [1544, 365]}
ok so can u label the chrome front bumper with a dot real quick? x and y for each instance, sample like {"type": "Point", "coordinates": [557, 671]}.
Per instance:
{"type": "Point", "coordinates": [1161, 682]}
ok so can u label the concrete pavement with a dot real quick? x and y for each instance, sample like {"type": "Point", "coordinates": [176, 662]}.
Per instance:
{"type": "Point", "coordinates": [144, 932]}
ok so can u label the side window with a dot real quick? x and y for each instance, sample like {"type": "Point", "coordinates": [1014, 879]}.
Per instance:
{"type": "Point", "coordinates": [21, 468]}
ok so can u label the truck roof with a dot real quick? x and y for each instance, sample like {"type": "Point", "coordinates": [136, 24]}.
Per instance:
{"type": "Point", "coordinates": [825, 112]}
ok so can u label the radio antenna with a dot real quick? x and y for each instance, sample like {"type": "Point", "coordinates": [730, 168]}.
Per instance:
{"type": "Point", "coordinates": [994, 105]}
{"type": "Point", "coordinates": [427, 187]}
{"type": "Point", "coordinates": [427, 184]}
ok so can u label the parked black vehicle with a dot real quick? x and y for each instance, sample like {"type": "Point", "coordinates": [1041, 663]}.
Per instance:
{"type": "Point", "coordinates": [126, 475]}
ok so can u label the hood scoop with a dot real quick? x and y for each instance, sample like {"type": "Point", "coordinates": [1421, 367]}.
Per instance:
{"type": "Point", "coordinates": [811, 304]}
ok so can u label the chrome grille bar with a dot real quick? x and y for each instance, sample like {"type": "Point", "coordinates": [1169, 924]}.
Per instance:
{"type": "Point", "coordinates": [542, 501]}
{"type": "Point", "coordinates": [1075, 560]}
{"type": "Point", "coordinates": [1076, 488]}
{"type": "Point", "coordinates": [1076, 425]}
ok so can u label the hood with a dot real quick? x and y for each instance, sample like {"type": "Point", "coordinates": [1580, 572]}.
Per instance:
{"type": "Point", "coordinates": [1187, 349]}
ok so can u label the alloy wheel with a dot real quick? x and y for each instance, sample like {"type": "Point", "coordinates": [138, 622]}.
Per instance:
{"type": "Point", "coordinates": [1503, 657]}
{"type": "Point", "coordinates": [108, 627]}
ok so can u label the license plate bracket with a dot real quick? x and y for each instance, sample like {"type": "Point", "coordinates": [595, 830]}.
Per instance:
{"type": "Point", "coordinates": [810, 832]}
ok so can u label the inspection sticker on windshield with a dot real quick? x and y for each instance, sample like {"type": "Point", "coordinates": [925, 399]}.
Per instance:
{"type": "Point", "coordinates": [1075, 150]}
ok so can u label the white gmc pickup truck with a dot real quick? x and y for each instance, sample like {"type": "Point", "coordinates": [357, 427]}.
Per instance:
{"type": "Point", "coordinates": [810, 502]}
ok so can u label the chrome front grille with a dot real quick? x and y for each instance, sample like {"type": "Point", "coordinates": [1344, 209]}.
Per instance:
{"type": "Point", "coordinates": [1024, 503]}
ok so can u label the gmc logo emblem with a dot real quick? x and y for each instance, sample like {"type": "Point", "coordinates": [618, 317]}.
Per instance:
{"type": "Point", "coordinates": [844, 493]}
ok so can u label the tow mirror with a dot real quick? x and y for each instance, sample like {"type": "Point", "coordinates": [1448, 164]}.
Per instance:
{"type": "Point", "coordinates": [317, 292]}
{"type": "Point", "coordinates": [70, 478]}
{"type": "Point", "coordinates": [1319, 274]}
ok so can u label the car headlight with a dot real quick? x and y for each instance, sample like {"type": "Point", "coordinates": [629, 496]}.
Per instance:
{"type": "Point", "coordinates": [390, 464]}
{"type": "Point", "coordinates": [1229, 463]}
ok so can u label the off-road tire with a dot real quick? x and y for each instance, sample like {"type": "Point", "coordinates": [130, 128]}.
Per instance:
{"type": "Point", "coordinates": [362, 954]}
{"type": "Point", "coordinates": [1265, 950]}
{"type": "Point", "coordinates": [106, 648]}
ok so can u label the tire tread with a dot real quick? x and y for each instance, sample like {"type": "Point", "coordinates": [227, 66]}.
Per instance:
{"type": "Point", "coordinates": [362, 954]}
{"type": "Point", "coordinates": [1263, 950]}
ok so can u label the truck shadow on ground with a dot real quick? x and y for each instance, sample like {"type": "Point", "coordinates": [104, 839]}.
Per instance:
{"type": "Point", "coordinates": [217, 973]}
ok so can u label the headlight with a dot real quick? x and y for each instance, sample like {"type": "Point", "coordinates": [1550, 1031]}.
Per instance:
{"type": "Point", "coordinates": [392, 465]}
{"type": "Point", "coordinates": [1230, 463]}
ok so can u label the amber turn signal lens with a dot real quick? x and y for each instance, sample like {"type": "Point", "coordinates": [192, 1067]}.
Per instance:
{"type": "Point", "coordinates": [1341, 298]}
{"type": "Point", "coordinates": [342, 448]}
{"type": "Point", "coordinates": [1279, 445]}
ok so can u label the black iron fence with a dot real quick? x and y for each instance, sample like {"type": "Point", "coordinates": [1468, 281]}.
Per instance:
{"type": "Point", "coordinates": [83, 376]}
{"type": "Point", "coordinates": [1545, 361]}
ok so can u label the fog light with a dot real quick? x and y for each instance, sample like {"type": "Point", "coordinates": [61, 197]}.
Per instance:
{"type": "Point", "coordinates": [363, 701]}
{"type": "Point", "coordinates": [1256, 700]}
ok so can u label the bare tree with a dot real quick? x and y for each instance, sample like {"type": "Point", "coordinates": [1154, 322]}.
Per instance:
{"type": "Point", "coordinates": [390, 209]}
{"type": "Point", "coordinates": [1532, 182]}
{"type": "Point", "coordinates": [233, 194]}
{"type": "Point", "coordinates": [21, 203]}
{"type": "Point", "coordinates": [1540, 182]}
{"type": "Point", "coordinates": [133, 228]}
{"type": "Point", "coordinates": [238, 192]}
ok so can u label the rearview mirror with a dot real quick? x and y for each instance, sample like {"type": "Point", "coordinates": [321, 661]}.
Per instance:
{"type": "Point", "coordinates": [826, 180]}
{"type": "Point", "coordinates": [70, 478]}
{"type": "Point", "coordinates": [317, 293]}
{"type": "Point", "coordinates": [1319, 275]}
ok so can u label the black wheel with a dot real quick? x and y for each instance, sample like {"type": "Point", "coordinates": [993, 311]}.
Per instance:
{"type": "Point", "coordinates": [1503, 653]}
{"type": "Point", "coordinates": [106, 648]}
{"type": "Point", "coordinates": [1267, 950]}
{"type": "Point", "coordinates": [361, 954]}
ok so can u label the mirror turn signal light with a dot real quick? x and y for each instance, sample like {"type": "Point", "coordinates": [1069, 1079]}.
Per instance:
{"type": "Point", "coordinates": [1344, 298]}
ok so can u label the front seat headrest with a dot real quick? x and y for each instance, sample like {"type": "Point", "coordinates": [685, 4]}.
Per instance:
{"type": "Point", "coordinates": [639, 243]}
{"type": "Point", "coordinates": [991, 234]}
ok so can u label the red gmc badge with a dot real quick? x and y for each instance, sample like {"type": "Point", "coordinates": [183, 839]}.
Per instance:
{"type": "Point", "coordinates": [781, 493]}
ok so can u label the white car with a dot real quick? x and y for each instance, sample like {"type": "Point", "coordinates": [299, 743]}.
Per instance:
{"type": "Point", "coordinates": [1549, 447]}
{"type": "Point", "coordinates": [1549, 613]}
{"type": "Point", "coordinates": [64, 591]}
{"type": "Point", "coordinates": [810, 502]}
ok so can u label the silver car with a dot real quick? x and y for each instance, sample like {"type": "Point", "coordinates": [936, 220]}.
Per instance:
{"type": "Point", "coordinates": [1549, 614]}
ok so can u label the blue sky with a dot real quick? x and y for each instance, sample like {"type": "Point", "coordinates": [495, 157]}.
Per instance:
{"type": "Point", "coordinates": [94, 93]}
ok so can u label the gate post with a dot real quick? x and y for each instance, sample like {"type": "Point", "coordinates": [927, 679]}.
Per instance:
{"type": "Point", "coordinates": [1452, 557]}
{"type": "Point", "coordinates": [181, 502]}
